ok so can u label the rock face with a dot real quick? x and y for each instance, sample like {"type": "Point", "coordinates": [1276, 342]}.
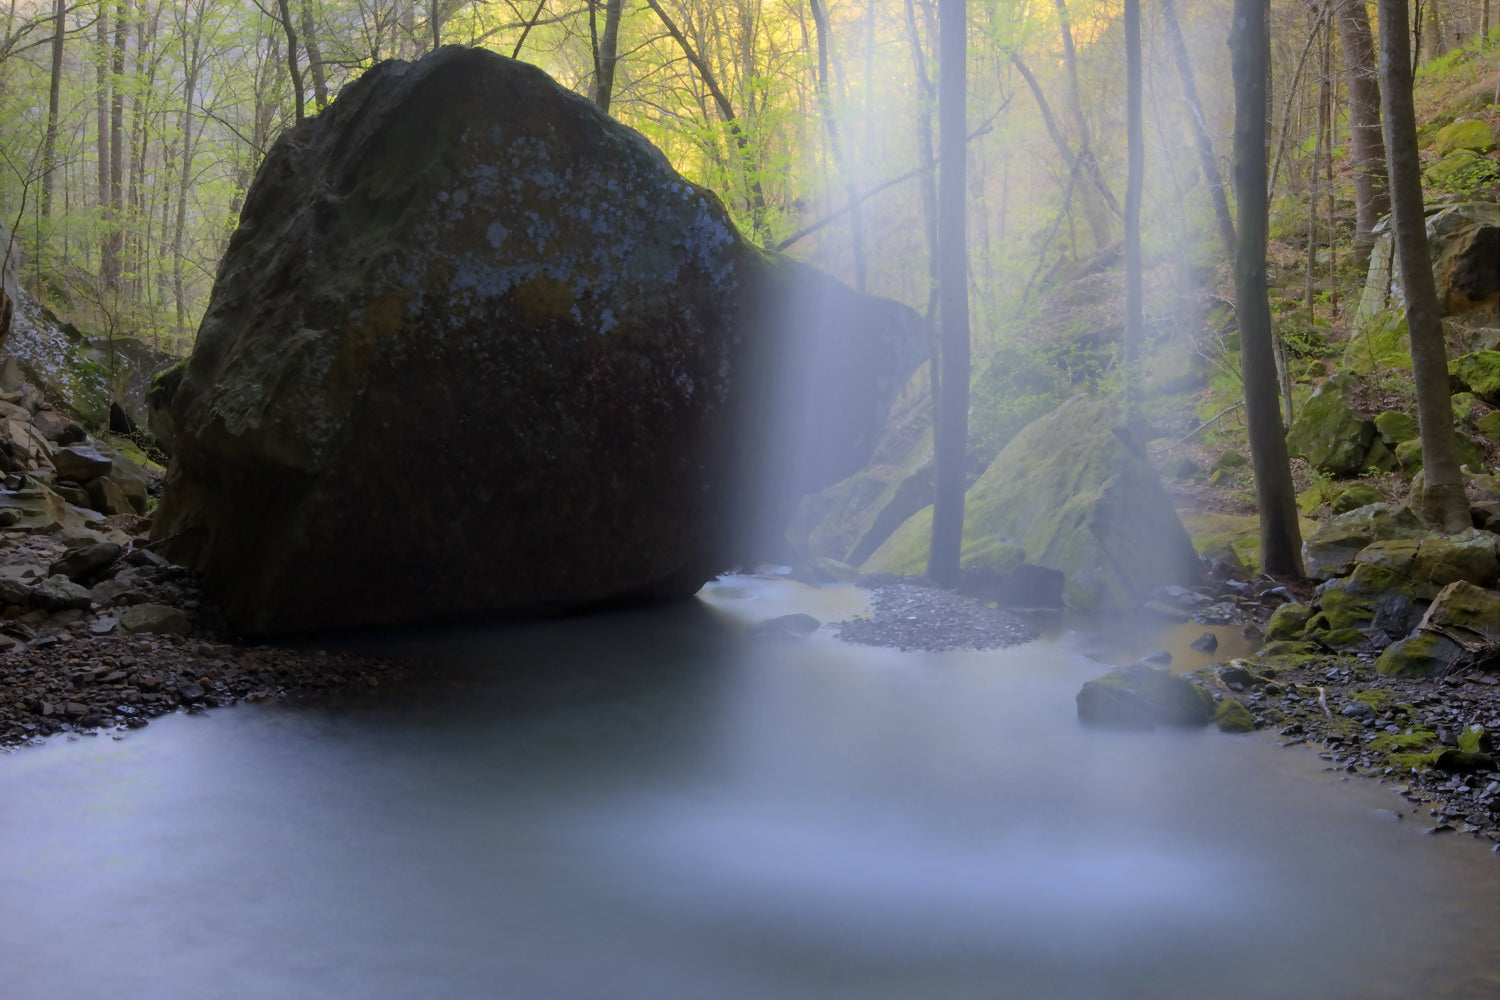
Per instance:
{"type": "Point", "coordinates": [472, 332]}
{"type": "Point", "coordinates": [1464, 243]}
{"type": "Point", "coordinates": [1071, 493]}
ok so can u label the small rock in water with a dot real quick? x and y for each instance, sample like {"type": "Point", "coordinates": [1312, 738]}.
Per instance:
{"type": "Point", "coordinates": [1206, 643]}
{"type": "Point", "coordinates": [1160, 656]}
{"type": "Point", "coordinates": [788, 627]}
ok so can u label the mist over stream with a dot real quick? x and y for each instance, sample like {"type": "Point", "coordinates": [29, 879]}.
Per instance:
{"type": "Point", "coordinates": [655, 804]}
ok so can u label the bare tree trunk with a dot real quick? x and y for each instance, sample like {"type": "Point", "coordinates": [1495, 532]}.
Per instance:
{"type": "Point", "coordinates": [1366, 145]}
{"type": "Point", "coordinates": [927, 182]}
{"type": "Point", "coordinates": [291, 59]}
{"type": "Point", "coordinates": [54, 97]}
{"type": "Point", "coordinates": [1314, 190]}
{"type": "Point", "coordinates": [116, 236]}
{"type": "Point", "coordinates": [953, 421]}
{"type": "Point", "coordinates": [609, 54]}
{"type": "Point", "coordinates": [835, 144]}
{"type": "Point", "coordinates": [1206, 160]}
{"type": "Point", "coordinates": [315, 52]}
{"type": "Point", "coordinates": [1097, 217]}
{"type": "Point", "coordinates": [1443, 501]}
{"type": "Point", "coordinates": [192, 52]}
{"type": "Point", "coordinates": [1250, 58]}
{"type": "Point", "coordinates": [1135, 177]}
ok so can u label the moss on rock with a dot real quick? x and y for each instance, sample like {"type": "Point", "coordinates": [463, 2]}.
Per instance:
{"type": "Point", "coordinates": [1478, 373]}
{"type": "Point", "coordinates": [1072, 492]}
{"type": "Point", "coordinates": [1233, 717]}
{"type": "Point", "coordinates": [1141, 697]}
{"type": "Point", "coordinates": [1329, 432]}
{"type": "Point", "coordinates": [1331, 550]}
{"type": "Point", "coordinates": [1472, 135]}
{"type": "Point", "coordinates": [1288, 622]}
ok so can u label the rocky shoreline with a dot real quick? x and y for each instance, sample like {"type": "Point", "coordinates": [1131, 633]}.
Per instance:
{"type": "Point", "coordinates": [137, 643]}
{"type": "Point", "coordinates": [1407, 732]}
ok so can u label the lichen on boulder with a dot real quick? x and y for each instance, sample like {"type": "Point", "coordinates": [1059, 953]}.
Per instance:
{"type": "Point", "coordinates": [1478, 373]}
{"type": "Point", "coordinates": [472, 331]}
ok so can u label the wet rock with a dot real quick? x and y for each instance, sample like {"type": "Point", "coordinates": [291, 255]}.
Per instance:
{"type": "Point", "coordinates": [1236, 673]}
{"type": "Point", "coordinates": [13, 593]}
{"type": "Point", "coordinates": [88, 561]}
{"type": "Point", "coordinates": [1141, 697]}
{"type": "Point", "coordinates": [1232, 717]}
{"type": "Point", "coordinates": [463, 221]}
{"type": "Point", "coordinates": [787, 627]}
{"type": "Point", "coordinates": [1464, 762]}
{"type": "Point", "coordinates": [1288, 622]}
{"type": "Point", "coordinates": [1157, 657]}
{"type": "Point", "coordinates": [154, 619]}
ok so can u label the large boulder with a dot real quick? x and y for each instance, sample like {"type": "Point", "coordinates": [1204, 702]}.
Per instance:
{"type": "Point", "coordinates": [134, 365]}
{"type": "Point", "coordinates": [1461, 629]}
{"type": "Point", "coordinates": [1330, 551]}
{"type": "Point", "coordinates": [1071, 492]}
{"type": "Point", "coordinates": [1329, 431]}
{"type": "Point", "coordinates": [1463, 242]}
{"type": "Point", "coordinates": [476, 350]}
{"type": "Point", "coordinates": [1478, 373]}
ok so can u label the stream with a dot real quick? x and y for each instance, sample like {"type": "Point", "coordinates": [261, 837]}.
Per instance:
{"type": "Point", "coordinates": [656, 804]}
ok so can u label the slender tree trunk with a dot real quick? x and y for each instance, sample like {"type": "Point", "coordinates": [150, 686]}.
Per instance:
{"type": "Point", "coordinates": [1096, 214]}
{"type": "Point", "coordinates": [1315, 186]}
{"type": "Point", "coordinates": [609, 54]}
{"type": "Point", "coordinates": [291, 59]}
{"type": "Point", "coordinates": [1366, 144]}
{"type": "Point", "coordinates": [835, 144]}
{"type": "Point", "coordinates": [1136, 146]}
{"type": "Point", "coordinates": [1250, 58]}
{"type": "Point", "coordinates": [315, 52]}
{"type": "Point", "coordinates": [1207, 162]}
{"type": "Point", "coordinates": [927, 184]}
{"type": "Point", "coordinates": [1443, 501]}
{"type": "Point", "coordinates": [192, 50]}
{"type": "Point", "coordinates": [116, 236]}
{"type": "Point", "coordinates": [953, 421]}
{"type": "Point", "coordinates": [54, 98]}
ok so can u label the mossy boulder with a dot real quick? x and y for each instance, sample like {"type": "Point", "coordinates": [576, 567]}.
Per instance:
{"type": "Point", "coordinates": [1472, 135]}
{"type": "Point", "coordinates": [1489, 426]}
{"type": "Point", "coordinates": [1141, 696]}
{"type": "Point", "coordinates": [472, 331]}
{"type": "Point", "coordinates": [1329, 431]}
{"type": "Point", "coordinates": [1396, 427]}
{"type": "Point", "coordinates": [1074, 493]}
{"type": "Point", "coordinates": [1231, 716]}
{"type": "Point", "coordinates": [1354, 497]}
{"type": "Point", "coordinates": [1381, 341]}
{"type": "Point", "coordinates": [1472, 556]}
{"type": "Point", "coordinates": [1330, 551]}
{"type": "Point", "coordinates": [1461, 172]}
{"type": "Point", "coordinates": [1409, 455]}
{"type": "Point", "coordinates": [1371, 596]}
{"type": "Point", "coordinates": [1288, 621]}
{"type": "Point", "coordinates": [1461, 627]}
{"type": "Point", "coordinates": [1478, 373]}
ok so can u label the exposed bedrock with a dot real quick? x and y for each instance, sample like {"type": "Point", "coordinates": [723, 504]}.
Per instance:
{"type": "Point", "coordinates": [476, 350]}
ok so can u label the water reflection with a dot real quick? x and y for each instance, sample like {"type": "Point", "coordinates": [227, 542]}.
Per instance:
{"type": "Point", "coordinates": [653, 805]}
